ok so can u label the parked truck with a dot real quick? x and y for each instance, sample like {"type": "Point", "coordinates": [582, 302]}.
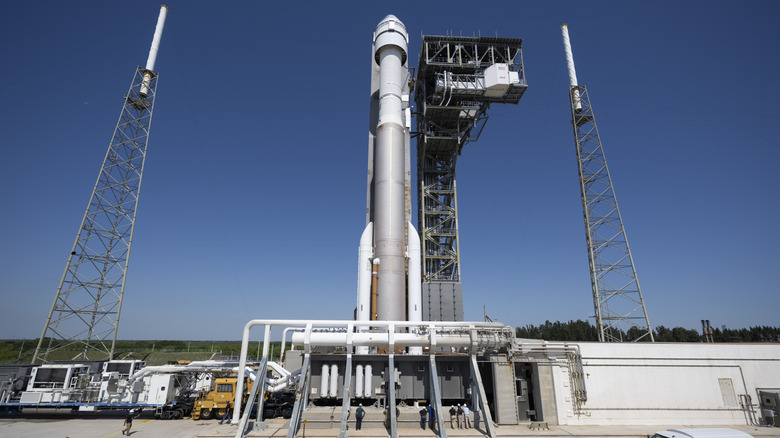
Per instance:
{"type": "Point", "coordinates": [212, 402]}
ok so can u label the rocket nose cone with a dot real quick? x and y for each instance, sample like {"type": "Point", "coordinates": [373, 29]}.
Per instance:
{"type": "Point", "coordinates": [390, 19]}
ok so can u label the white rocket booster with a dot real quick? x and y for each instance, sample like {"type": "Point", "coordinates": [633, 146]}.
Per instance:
{"type": "Point", "coordinates": [384, 244]}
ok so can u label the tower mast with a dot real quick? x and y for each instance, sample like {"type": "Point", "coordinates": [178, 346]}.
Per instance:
{"type": "Point", "coordinates": [617, 298]}
{"type": "Point", "coordinates": [85, 312]}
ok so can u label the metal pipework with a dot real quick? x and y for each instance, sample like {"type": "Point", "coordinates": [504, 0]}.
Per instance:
{"type": "Point", "coordinates": [390, 42]}
{"type": "Point", "coordinates": [479, 338]}
{"type": "Point", "coordinates": [570, 64]}
{"type": "Point", "coordinates": [152, 58]}
{"type": "Point", "coordinates": [464, 334]}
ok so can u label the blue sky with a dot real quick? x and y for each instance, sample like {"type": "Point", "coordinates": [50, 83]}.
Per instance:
{"type": "Point", "coordinates": [253, 198]}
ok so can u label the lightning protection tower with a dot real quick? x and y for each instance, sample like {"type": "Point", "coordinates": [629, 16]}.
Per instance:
{"type": "Point", "coordinates": [617, 298]}
{"type": "Point", "coordinates": [85, 312]}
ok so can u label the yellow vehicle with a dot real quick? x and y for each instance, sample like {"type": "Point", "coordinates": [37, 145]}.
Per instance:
{"type": "Point", "coordinates": [213, 403]}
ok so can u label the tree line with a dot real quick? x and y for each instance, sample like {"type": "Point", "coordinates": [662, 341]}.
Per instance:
{"type": "Point", "coordinates": [584, 331]}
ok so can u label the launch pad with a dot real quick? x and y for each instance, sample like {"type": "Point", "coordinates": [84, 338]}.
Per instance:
{"type": "Point", "coordinates": [408, 345]}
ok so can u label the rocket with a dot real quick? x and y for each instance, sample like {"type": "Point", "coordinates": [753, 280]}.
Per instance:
{"type": "Point", "coordinates": [389, 267]}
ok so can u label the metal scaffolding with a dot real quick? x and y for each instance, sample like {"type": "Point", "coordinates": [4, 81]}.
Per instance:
{"type": "Point", "coordinates": [85, 312]}
{"type": "Point", "coordinates": [617, 298]}
{"type": "Point", "coordinates": [455, 85]}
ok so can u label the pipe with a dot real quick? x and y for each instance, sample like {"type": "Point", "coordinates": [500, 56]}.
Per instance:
{"type": "Point", "coordinates": [309, 324]}
{"type": "Point", "coordinates": [359, 381]}
{"type": "Point", "coordinates": [284, 341]}
{"type": "Point", "coordinates": [152, 59]}
{"type": "Point", "coordinates": [460, 339]}
{"type": "Point", "coordinates": [570, 64]}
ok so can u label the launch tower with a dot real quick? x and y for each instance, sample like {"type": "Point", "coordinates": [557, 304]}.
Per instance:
{"type": "Point", "coordinates": [457, 80]}
{"type": "Point", "coordinates": [85, 312]}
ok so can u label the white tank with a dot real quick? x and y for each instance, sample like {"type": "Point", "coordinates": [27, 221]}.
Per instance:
{"type": "Point", "coordinates": [324, 382]}
{"type": "Point", "coordinates": [334, 380]}
{"type": "Point", "coordinates": [367, 387]}
{"type": "Point", "coordinates": [359, 381]}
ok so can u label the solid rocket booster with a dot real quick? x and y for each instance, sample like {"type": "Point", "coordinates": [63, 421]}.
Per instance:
{"type": "Point", "coordinates": [152, 58]}
{"type": "Point", "coordinates": [570, 65]}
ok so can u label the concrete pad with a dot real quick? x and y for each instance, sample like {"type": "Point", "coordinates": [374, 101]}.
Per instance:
{"type": "Point", "coordinates": [59, 426]}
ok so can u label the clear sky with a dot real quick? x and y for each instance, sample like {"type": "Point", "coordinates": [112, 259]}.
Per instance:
{"type": "Point", "coordinates": [253, 197]}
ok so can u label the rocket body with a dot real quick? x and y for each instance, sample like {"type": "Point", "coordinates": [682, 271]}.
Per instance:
{"type": "Point", "coordinates": [388, 173]}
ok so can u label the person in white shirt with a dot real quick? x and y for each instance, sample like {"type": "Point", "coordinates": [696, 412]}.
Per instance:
{"type": "Point", "coordinates": [467, 416]}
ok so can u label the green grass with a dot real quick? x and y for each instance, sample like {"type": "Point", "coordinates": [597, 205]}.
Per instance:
{"type": "Point", "coordinates": [157, 352]}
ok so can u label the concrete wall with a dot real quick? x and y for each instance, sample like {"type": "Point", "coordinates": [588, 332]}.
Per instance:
{"type": "Point", "coordinates": [658, 384]}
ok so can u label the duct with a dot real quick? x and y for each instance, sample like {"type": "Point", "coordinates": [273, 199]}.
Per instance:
{"type": "Point", "coordinates": [143, 372]}
{"type": "Point", "coordinates": [284, 341]}
{"type": "Point", "coordinates": [279, 369]}
{"type": "Point", "coordinates": [455, 339]}
{"type": "Point", "coordinates": [274, 383]}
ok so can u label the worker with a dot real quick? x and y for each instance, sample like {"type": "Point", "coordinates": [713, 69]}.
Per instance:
{"type": "Point", "coordinates": [423, 417]}
{"type": "Point", "coordinates": [359, 414]}
{"type": "Point", "coordinates": [129, 421]}
{"type": "Point", "coordinates": [467, 416]}
{"type": "Point", "coordinates": [226, 415]}
{"type": "Point", "coordinates": [459, 413]}
{"type": "Point", "coordinates": [452, 416]}
{"type": "Point", "coordinates": [431, 417]}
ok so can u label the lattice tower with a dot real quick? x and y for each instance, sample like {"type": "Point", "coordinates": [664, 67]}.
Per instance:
{"type": "Point", "coordinates": [86, 308]}
{"type": "Point", "coordinates": [617, 298]}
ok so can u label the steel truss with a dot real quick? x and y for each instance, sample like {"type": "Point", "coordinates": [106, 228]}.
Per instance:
{"type": "Point", "coordinates": [617, 298]}
{"type": "Point", "coordinates": [452, 105]}
{"type": "Point", "coordinates": [85, 312]}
